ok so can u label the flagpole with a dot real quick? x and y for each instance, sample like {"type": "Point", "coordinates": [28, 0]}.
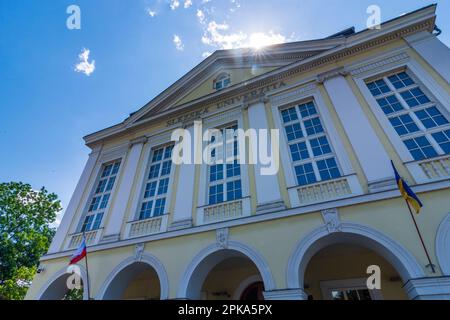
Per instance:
{"type": "Point", "coordinates": [420, 236]}
{"type": "Point", "coordinates": [87, 270]}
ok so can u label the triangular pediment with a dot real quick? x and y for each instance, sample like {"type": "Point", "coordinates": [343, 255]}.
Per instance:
{"type": "Point", "coordinates": [240, 64]}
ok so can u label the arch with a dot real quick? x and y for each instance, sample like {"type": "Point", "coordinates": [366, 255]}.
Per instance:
{"type": "Point", "coordinates": [244, 284]}
{"type": "Point", "coordinates": [443, 245]}
{"type": "Point", "coordinates": [198, 269]}
{"type": "Point", "coordinates": [400, 258]}
{"type": "Point", "coordinates": [55, 287]}
{"type": "Point", "coordinates": [108, 288]}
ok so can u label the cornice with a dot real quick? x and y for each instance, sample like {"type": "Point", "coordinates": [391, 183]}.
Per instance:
{"type": "Point", "coordinates": [373, 40]}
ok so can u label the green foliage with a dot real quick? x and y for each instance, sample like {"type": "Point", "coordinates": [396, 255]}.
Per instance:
{"type": "Point", "coordinates": [74, 294]}
{"type": "Point", "coordinates": [26, 216]}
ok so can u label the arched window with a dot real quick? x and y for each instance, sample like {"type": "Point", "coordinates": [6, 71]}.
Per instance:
{"type": "Point", "coordinates": [222, 81]}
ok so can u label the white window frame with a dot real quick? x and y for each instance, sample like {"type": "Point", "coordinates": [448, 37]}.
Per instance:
{"type": "Point", "coordinates": [170, 176]}
{"type": "Point", "coordinates": [297, 94]}
{"type": "Point", "coordinates": [117, 154]}
{"type": "Point", "coordinates": [221, 77]}
{"type": "Point", "coordinates": [426, 83]}
{"type": "Point", "coordinates": [154, 142]}
{"type": "Point", "coordinates": [213, 122]}
{"type": "Point", "coordinates": [327, 287]}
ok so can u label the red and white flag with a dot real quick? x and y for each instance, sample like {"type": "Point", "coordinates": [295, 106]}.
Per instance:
{"type": "Point", "coordinates": [80, 253]}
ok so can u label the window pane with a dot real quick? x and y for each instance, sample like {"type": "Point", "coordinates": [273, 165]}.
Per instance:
{"type": "Point", "coordinates": [305, 174]}
{"type": "Point", "coordinates": [420, 148]}
{"type": "Point", "coordinates": [165, 170]}
{"type": "Point", "coordinates": [101, 186]}
{"type": "Point", "coordinates": [404, 124]}
{"type": "Point", "coordinates": [443, 139]}
{"type": "Point", "coordinates": [150, 189]}
{"type": "Point", "coordinates": [400, 80]}
{"type": "Point", "coordinates": [215, 172]}
{"type": "Point", "coordinates": [163, 185]}
{"type": "Point", "coordinates": [431, 117]}
{"type": "Point", "coordinates": [159, 207]}
{"type": "Point", "coordinates": [414, 97]}
{"type": "Point", "coordinates": [320, 146]}
{"type": "Point", "coordinates": [94, 204]}
{"type": "Point", "coordinates": [313, 126]}
{"type": "Point", "coordinates": [104, 202]}
{"type": "Point", "coordinates": [328, 169]}
{"type": "Point", "coordinates": [233, 169]}
{"type": "Point", "coordinates": [110, 184]}
{"type": "Point", "coordinates": [289, 115]}
{"type": "Point", "coordinates": [157, 155]}
{"type": "Point", "coordinates": [234, 190]}
{"type": "Point", "coordinates": [154, 171]}
{"type": "Point", "coordinates": [146, 210]}
{"type": "Point", "coordinates": [378, 87]}
{"type": "Point", "coordinates": [97, 221]}
{"type": "Point", "coordinates": [294, 131]}
{"type": "Point", "coordinates": [307, 109]}
{"type": "Point", "coordinates": [216, 194]}
{"type": "Point", "coordinates": [299, 151]}
{"type": "Point", "coordinates": [390, 104]}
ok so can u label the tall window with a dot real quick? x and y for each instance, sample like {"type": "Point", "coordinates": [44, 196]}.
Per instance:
{"type": "Point", "coordinates": [224, 179]}
{"type": "Point", "coordinates": [222, 81]}
{"type": "Point", "coordinates": [416, 118]}
{"type": "Point", "coordinates": [101, 196]}
{"type": "Point", "coordinates": [157, 183]}
{"type": "Point", "coordinates": [310, 149]}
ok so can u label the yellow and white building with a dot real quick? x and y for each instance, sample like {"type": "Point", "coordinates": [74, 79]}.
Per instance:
{"type": "Point", "coordinates": [345, 106]}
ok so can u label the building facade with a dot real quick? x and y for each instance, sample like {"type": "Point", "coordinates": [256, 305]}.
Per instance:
{"type": "Point", "coordinates": [345, 106]}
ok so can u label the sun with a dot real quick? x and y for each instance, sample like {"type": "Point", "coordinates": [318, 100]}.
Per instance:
{"type": "Point", "coordinates": [260, 40]}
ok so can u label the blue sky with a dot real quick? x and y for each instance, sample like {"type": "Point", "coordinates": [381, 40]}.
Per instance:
{"type": "Point", "coordinates": [140, 47]}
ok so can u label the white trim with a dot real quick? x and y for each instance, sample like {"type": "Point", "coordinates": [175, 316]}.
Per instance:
{"type": "Point", "coordinates": [400, 258]}
{"type": "Point", "coordinates": [431, 288]}
{"type": "Point", "coordinates": [443, 245]}
{"type": "Point", "coordinates": [189, 273]}
{"type": "Point", "coordinates": [267, 216]}
{"type": "Point", "coordinates": [147, 258]}
{"type": "Point", "coordinates": [61, 273]}
{"type": "Point", "coordinates": [244, 285]}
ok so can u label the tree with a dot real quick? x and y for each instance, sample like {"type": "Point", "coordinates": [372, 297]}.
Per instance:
{"type": "Point", "coordinates": [26, 216]}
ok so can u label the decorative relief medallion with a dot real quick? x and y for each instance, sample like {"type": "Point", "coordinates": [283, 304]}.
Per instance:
{"type": "Point", "coordinates": [331, 220]}
{"type": "Point", "coordinates": [222, 238]}
{"type": "Point", "coordinates": [138, 251]}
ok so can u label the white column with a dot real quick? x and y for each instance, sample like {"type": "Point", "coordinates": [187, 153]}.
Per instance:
{"type": "Point", "coordinates": [368, 148]}
{"type": "Point", "coordinates": [115, 221]}
{"type": "Point", "coordinates": [182, 214]}
{"type": "Point", "coordinates": [436, 53]}
{"type": "Point", "coordinates": [267, 186]}
{"type": "Point", "coordinates": [74, 202]}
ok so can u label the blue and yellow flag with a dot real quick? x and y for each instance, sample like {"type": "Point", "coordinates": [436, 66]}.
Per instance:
{"type": "Point", "coordinates": [406, 191]}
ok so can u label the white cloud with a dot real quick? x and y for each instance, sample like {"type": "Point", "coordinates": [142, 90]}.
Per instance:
{"type": "Point", "coordinates": [218, 36]}
{"type": "Point", "coordinates": [187, 3]}
{"type": "Point", "coordinates": [150, 12]}
{"type": "Point", "coordinates": [174, 4]}
{"type": "Point", "coordinates": [206, 54]}
{"type": "Point", "coordinates": [201, 16]}
{"type": "Point", "coordinates": [178, 43]}
{"type": "Point", "coordinates": [84, 65]}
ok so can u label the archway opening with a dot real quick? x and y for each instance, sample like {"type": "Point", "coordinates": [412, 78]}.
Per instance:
{"type": "Point", "coordinates": [59, 290]}
{"type": "Point", "coordinates": [137, 281]}
{"type": "Point", "coordinates": [226, 275]}
{"type": "Point", "coordinates": [339, 272]}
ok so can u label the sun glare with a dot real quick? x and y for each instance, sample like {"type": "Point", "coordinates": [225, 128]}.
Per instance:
{"type": "Point", "coordinates": [259, 40]}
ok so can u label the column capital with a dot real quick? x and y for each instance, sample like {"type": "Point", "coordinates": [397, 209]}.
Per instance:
{"type": "Point", "coordinates": [322, 77]}
{"type": "Point", "coordinates": [138, 140]}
